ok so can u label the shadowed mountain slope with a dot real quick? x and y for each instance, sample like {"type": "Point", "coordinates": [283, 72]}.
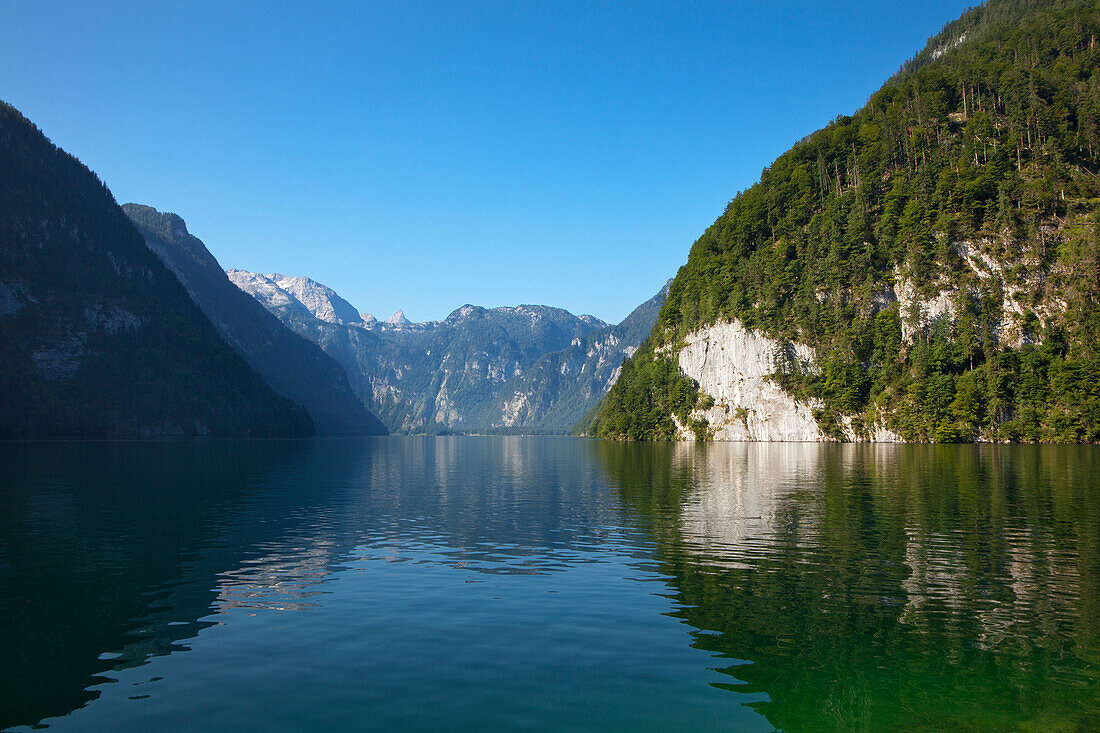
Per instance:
{"type": "Point", "coordinates": [293, 366]}
{"type": "Point", "coordinates": [97, 336]}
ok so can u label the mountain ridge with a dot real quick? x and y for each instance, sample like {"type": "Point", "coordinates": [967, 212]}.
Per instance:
{"type": "Point", "coordinates": [293, 366]}
{"type": "Point", "coordinates": [448, 376]}
{"type": "Point", "coordinates": [98, 337]}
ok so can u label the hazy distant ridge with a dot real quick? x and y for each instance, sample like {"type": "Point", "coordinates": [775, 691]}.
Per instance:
{"type": "Point", "coordinates": [479, 368]}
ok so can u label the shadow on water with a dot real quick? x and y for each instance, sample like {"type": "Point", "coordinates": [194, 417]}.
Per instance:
{"type": "Point", "coordinates": [884, 588]}
{"type": "Point", "coordinates": [109, 554]}
{"type": "Point", "coordinates": [112, 553]}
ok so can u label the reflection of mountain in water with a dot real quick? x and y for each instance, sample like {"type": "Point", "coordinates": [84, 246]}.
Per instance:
{"type": "Point", "coordinates": [736, 494]}
{"type": "Point", "coordinates": [112, 553]}
{"type": "Point", "coordinates": [885, 588]}
{"type": "Point", "coordinates": [848, 587]}
{"type": "Point", "coordinates": [102, 558]}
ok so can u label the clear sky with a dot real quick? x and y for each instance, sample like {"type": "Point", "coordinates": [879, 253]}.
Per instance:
{"type": "Point", "coordinates": [423, 155]}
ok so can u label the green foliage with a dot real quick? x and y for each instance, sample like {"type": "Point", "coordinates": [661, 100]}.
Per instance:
{"type": "Point", "coordinates": [992, 139]}
{"type": "Point", "coordinates": [655, 390]}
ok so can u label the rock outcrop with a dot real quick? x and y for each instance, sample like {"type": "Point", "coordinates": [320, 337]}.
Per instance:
{"type": "Point", "coordinates": [734, 367]}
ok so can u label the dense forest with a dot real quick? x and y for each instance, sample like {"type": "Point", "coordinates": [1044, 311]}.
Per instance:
{"type": "Point", "coordinates": [97, 336]}
{"type": "Point", "coordinates": [971, 177]}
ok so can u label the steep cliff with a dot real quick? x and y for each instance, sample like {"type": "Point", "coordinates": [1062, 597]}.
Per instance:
{"type": "Point", "coordinates": [928, 268]}
{"type": "Point", "coordinates": [293, 366]}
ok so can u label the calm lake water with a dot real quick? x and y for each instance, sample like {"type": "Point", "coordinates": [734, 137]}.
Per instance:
{"type": "Point", "coordinates": [548, 584]}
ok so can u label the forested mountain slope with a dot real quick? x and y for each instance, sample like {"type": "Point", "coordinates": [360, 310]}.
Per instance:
{"type": "Point", "coordinates": [97, 336]}
{"type": "Point", "coordinates": [926, 269]}
{"type": "Point", "coordinates": [293, 366]}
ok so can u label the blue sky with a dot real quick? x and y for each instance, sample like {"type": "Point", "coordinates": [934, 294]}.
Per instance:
{"type": "Point", "coordinates": [423, 155]}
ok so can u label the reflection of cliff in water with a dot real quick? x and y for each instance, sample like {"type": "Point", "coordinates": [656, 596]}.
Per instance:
{"type": "Point", "coordinates": [882, 587]}
{"type": "Point", "coordinates": [111, 553]}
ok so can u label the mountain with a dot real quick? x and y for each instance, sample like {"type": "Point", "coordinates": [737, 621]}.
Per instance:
{"type": "Point", "coordinates": [927, 269]}
{"type": "Point", "coordinates": [468, 371]}
{"type": "Point", "coordinates": [97, 336]}
{"type": "Point", "coordinates": [310, 299]}
{"type": "Point", "coordinates": [558, 389]}
{"type": "Point", "coordinates": [398, 319]}
{"type": "Point", "coordinates": [294, 367]}
{"type": "Point", "coordinates": [321, 301]}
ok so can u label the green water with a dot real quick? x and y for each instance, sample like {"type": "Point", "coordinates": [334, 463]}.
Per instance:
{"type": "Point", "coordinates": [548, 584]}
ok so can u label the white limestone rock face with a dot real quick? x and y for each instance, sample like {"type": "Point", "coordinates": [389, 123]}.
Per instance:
{"type": "Point", "coordinates": [732, 364]}
{"type": "Point", "coordinates": [398, 319]}
{"type": "Point", "coordinates": [883, 435]}
{"type": "Point", "coordinates": [320, 300]}
{"type": "Point", "coordinates": [919, 313]}
{"type": "Point", "coordinates": [872, 434]}
{"type": "Point", "coordinates": [279, 292]}
{"type": "Point", "coordinates": [1023, 286]}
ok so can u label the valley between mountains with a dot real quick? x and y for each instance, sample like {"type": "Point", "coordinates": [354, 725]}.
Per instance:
{"type": "Point", "coordinates": [511, 369]}
{"type": "Point", "coordinates": [924, 270]}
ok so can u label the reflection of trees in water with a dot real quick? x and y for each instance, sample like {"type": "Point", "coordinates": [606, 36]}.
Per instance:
{"type": "Point", "coordinates": [884, 587]}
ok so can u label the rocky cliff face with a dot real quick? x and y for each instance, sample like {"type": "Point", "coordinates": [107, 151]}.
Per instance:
{"type": "Point", "coordinates": [735, 368]}
{"type": "Point", "coordinates": [293, 366]}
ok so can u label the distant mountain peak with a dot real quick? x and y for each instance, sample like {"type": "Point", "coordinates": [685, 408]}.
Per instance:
{"type": "Point", "coordinates": [464, 312]}
{"type": "Point", "coordinates": [320, 300]}
{"type": "Point", "coordinates": [398, 319]}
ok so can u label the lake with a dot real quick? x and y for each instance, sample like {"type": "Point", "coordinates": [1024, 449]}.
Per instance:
{"type": "Point", "coordinates": [466, 583]}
